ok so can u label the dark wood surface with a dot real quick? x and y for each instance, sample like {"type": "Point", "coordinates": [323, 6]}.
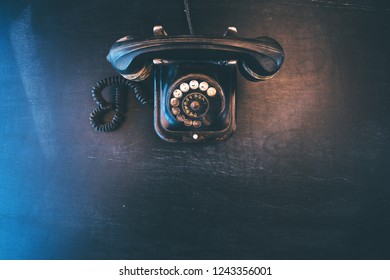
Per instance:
{"type": "Point", "coordinates": [305, 176]}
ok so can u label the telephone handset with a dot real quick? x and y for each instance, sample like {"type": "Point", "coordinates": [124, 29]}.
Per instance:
{"type": "Point", "coordinates": [195, 78]}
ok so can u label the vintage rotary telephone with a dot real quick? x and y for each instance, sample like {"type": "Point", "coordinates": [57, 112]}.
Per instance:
{"type": "Point", "coordinates": [194, 80]}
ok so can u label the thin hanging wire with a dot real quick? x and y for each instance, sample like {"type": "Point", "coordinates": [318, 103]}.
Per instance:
{"type": "Point", "coordinates": [187, 11]}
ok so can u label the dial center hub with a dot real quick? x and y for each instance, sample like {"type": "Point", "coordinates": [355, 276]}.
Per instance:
{"type": "Point", "coordinates": [195, 105]}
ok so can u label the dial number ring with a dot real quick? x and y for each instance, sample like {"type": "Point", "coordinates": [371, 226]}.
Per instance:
{"type": "Point", "coordinates": [195, 105]}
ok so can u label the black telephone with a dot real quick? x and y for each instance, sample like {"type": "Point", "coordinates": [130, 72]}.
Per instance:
{"type": "Point", "coordinates": [195, 78]}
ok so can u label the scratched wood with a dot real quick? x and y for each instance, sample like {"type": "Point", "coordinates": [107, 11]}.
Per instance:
{"type": "Point", "coordinates": [305, 176]}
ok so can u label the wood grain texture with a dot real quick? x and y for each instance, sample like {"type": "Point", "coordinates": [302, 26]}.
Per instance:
{"type": "Point", "coordinates": [305, 176]}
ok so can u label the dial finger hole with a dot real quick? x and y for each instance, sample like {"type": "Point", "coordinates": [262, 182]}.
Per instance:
{"type": "Point", "coordinates": [211, 92]}
{"type": "Point", "coordinates": [174, 102]}
{"type": "Point", "coordinates": [177, 93]}
{"type": "Point", "coordinates": [187, 122]}
{"type": "Point", "coordinates": [180, 118]}
{"type": "Point", "coordinates": [175, 111]}
{"type": "Point", "coordinates": [184, 87]}
{"type": "Point", "coordinates": [194, 84]}
{"type": "Point", "coordinates": [196, 123]}
{"type": "Point", "coordinates": [203, 86]}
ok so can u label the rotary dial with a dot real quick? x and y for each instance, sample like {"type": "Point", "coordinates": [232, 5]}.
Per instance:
{"type": "Point", "coordinates": [193, 99]}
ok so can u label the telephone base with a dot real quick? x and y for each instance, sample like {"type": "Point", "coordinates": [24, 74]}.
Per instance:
{"type": "Point", "coordinates": [194, 101]}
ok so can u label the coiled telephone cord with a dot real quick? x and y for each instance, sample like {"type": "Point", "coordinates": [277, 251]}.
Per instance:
{"type": "Point", "coordinates": [119, 104]}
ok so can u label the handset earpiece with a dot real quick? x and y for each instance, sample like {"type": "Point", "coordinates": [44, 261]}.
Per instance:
{"type": "Point", "coordinates": [138, 72]}
{"type": "Point", "coordinates": [119, 60]}
{"type": "Point", "coordinates": [268, 63]}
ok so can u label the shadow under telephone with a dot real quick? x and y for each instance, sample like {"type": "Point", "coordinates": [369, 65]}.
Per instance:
{"type": "Point", "coordinates": [194, 80]}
